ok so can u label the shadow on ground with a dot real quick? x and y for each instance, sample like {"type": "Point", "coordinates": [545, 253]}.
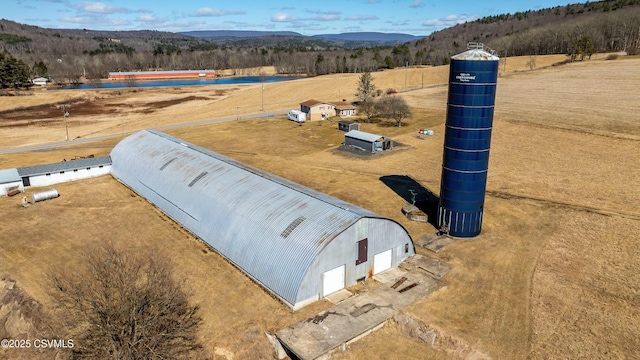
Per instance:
{"type": "Point", "coordinates": [411, 190]}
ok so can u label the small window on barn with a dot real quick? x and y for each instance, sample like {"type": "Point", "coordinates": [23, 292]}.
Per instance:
{"type": "Point", "coordinates": [294, 224]}
{"type": "Point", "coordinates": [406, 248]}
{"type": "Point", "coordinates": [197, 178]}
{"type": "Point", "coordinates": [100, 166]}
{"type": "Point", "coordinates": [362, 251]}
{"type": "Point", "coordinates": [48, 174]}
{"type": "Point", "coordinates": [75, 170]}
{"type": "Point", "coordinates": [61, 172]}
{"type": "Point", "coordinates": [88, 168]}
{"type": "Point", "coordinates": [167, 164]}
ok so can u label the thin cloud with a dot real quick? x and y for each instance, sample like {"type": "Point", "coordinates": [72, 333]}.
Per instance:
{"type": "Point", "coordinates": [330, 15]}
{"type": "Point", "coordinates": [94, 21]}
{"type": "Point", "coordinates": [283, 17]}
{"type": "Point", "coordinates": [399, 23]}
{"type": "Point", "coordinates": [327, 17]}
{"type": "Point", "coordinates": [448, 21]}
{"type": "Point", "coordinates": [100, 8]}
{"type": "Point", "coordinates": [363, 18]}
{"type": "Point", "coordinates": [417, 4]}
{"type": "Point", "coordinates": [150, 19]}
{"type": "Point", "coordinates": [218, 12]}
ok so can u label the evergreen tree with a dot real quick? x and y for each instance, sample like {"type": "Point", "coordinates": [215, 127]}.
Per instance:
{"type": "Point", "coordinates": [39, 69]}
{"type": "Point", "coordinates": [13, 73]}
{"type": "Point", "coordinates": [366, 87]}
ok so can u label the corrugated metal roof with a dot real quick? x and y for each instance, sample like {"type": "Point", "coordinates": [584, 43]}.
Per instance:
{"type": "Point", "coordinates": [270, 227]}
{"type": "Point", "coordinates": [64, 166]}
{"type": "Point", "coordinates": [361, 135]}
{"type": "Point", "coordinates": [9, 175]}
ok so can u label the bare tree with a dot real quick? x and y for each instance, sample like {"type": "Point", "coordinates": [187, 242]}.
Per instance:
{"type": "Point", "coordinates": [130, 80]}
{"type": "Point", "coordinates": [125, 305]}
{"type": "Point", "coordinates": [369, 109]}
{"type": "Point", "coordinates": [532, 62]}
{"type": "Point", "coordinates": [394, 107]}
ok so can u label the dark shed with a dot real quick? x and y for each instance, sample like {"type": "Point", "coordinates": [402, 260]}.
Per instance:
{"type": "Point", "coordinates": [366, 141]}
{"type": "Point", "coordinates": [347, 126]}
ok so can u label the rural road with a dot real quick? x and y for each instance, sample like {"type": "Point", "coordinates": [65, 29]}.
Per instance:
{"type": "Point", "coordinates": [77, 141]}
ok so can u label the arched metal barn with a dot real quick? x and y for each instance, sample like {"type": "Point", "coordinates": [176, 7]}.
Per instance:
{"type": "Point", "coordinates": [298, 243]}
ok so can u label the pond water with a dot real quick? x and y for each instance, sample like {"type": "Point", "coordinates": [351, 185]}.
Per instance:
{"type": "Point", "coordinates": [183, 82]}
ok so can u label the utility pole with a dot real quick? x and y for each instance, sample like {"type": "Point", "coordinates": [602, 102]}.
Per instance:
{"type": "Point", "coordinates": [506, 52]}
{"type": "Point", "coordinates": [406, 70]}
{"type": "Point", "coordinates": [65, 115]}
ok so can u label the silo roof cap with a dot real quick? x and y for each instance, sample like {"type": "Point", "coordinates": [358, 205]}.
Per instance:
{"type": "Point", "coordinates": [475, 54]}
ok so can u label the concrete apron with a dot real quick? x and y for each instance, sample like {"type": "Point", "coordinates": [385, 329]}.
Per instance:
{"type": "Point", "coordinates": [355, 317]}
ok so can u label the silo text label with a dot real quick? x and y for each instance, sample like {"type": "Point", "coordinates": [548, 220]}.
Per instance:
{"type": "Point", "coordinates": [464, 77]}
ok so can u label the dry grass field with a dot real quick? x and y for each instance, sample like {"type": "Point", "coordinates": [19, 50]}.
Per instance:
{"type": "Point", "coordinates": [554, 274]}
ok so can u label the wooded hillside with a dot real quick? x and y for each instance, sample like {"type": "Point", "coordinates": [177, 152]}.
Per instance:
{"type": "Point", "coordinates": [82, 55]}
{"type": "Point", "coordinates": [610, 26]}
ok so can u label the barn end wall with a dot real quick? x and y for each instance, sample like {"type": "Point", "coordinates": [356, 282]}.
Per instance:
{"type": "Point", "coordinates": [382, 235]}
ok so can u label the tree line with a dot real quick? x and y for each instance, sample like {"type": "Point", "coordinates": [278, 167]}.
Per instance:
{"type": "Point", "coordinates": [72, 56]}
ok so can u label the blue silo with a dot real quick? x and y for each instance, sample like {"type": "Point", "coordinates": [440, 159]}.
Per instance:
{"type": "Point", "coordinates": [472, 91]}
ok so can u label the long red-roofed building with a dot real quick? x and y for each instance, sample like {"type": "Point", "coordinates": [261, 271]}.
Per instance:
{"type": "Point", "coordinates": [137, 75]}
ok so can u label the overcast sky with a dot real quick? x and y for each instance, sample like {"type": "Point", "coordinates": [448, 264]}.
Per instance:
{"type": "Point", "coordinates": [416, 17]}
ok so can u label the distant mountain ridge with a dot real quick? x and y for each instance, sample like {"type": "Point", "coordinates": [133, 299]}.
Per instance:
{"type": "Point", "coordinates": [369, 37]}
{"type": "Point", "coordinates": [236, 33]}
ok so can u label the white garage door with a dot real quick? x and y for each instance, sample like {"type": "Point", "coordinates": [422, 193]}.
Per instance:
{"type": "Point", "coordinates": [333, 280]}
{"type": "Point", "coordinates": [382, 262]}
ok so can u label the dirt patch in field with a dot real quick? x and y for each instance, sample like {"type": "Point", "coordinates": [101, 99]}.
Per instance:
{"type": "Point", "coordinates": [84, 107]}
{"type": "Point", "coordinates": [153, 106]}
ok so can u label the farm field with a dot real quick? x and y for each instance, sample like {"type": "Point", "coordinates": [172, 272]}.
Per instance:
{"type": "Point", "coordinates": [554, 274]}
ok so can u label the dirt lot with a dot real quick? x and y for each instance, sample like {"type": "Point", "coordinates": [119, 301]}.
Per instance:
{"type": "Point", "coordinates": [554, 274]}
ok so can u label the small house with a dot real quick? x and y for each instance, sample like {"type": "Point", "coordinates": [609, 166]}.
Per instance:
{"type": "Point", "coordinates": [347, 126]}
{"type": "Point", "coordinates": [344, 108]}
{"type": "Point", "coordinates": [366, 141]}
{"type": "Point", "coordinates": [40, 81]}
{"type": "Point", "coordinates": [318, 110]}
